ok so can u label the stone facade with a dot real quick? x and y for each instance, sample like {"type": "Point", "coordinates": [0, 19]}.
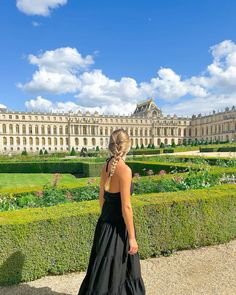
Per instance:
{"type": "Point", "coordinates": [57, 132]}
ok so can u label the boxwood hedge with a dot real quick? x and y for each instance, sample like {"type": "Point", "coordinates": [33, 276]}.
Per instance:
{"type": "Point", "coordinates": [54, 240]}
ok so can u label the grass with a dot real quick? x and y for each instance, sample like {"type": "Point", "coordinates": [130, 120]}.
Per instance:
{"type": "Point", "coordinates": [13, 182]}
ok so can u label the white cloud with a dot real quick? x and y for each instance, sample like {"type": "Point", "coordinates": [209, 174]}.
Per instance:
{"type": "Point", "coordinates": [2, 106]}
{"type": "Point", "coordinates": [64, 70]}
{"type": "Point", "coordinates": [39, 7]}
{"type": "Point", "coordinates": [204, 105]}
{"type": "Point", "coordinates": [57, 70]}
{"type": "Point", "coordinates": [97, 89]}
{"type": "Point", "coordinates": [169, 86]}
{"type": "Point", "coordinates": [44, 105]}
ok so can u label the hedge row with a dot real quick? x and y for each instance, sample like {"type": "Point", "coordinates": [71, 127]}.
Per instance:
{"type": "Point", "coordinates": [58, 239]}
{"type": "Point", "coordinates": [186, 158]}
{"type": "Point", "coordinates": [85, 169]}
{"type": "Point", "coordinates": [218, 149]}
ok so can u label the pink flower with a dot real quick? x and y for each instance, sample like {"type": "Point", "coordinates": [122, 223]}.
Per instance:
{"type": "Point", "coordinates": [91, 180]}
{"type": "Point", "coordinates": [161, 172]}
{"type": "Point", "coordinates": [39, 194]}
{"type": "Point", "coordinates": [69, 196]}
{"type": "Point", "coordinates": [56, 177]}
{"type": "Point", "coordinates": [178, 179]}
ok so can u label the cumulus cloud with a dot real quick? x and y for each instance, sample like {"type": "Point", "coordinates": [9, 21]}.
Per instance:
{"type": "Point", "coordinates": [98, 89]}
{"type": "Point", "coordinates": [2, 106]}
{"type": "Point", "coordinates": [38, 7]}
{"type": "Point", "coordinates": [64, 70]}
{"type": "Point", "coordinates": [45, 105]}
{"type": "Point", "coordinates": [57, 71]}
{"type": "Point", "coordinates": [40, 104]}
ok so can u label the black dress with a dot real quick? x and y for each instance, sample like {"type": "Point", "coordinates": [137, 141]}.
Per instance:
{"type": "Point", "coordinates": [111, 269]}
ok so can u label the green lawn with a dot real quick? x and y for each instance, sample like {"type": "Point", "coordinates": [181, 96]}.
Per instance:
{"type": "Point", "coordinates": [19, 182]}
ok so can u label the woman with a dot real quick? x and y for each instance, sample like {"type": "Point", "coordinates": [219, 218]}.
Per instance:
{"type": "Point", "coordinates": [114, 264]}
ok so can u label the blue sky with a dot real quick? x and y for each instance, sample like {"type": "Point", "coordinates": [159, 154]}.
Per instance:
{"type": "Point", "coordinates": [110, 55]}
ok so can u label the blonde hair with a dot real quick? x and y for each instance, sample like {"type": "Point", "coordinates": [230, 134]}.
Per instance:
{"type": "Point", "coordinates": [119, 145]}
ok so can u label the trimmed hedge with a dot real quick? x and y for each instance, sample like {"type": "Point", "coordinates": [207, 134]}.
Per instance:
{"type": "Point", "coordinates": [42, 167]}
{"type": "Point", "coordinates": [206, 150]}
{"type": "Point", "coordinates": [218, 149]}
{"type": "Point", "coordinates": [144, 152]}
{"type": "Point", "coordinates": [168, 151]}
{"type": "Point", "coordinates": [187, 158]}
{"type": "Point", "coordinates": [227, 149]}
{"type": "Point", "coordinates": [86, 169]}
{"type": "Point", "coordinates": [58, 239]}
{"type": "Point", "coordinates": [138, 166]}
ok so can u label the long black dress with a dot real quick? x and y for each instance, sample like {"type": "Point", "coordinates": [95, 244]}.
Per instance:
{"type": "Point", "coordinates": [111, 269]}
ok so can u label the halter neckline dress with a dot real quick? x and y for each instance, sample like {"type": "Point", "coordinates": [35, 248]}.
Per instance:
{"type": "Point", "coordinates": [111, 269]}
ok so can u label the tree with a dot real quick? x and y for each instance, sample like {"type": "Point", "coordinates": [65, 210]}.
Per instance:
{"type": "Point", "coordinates": [72, 153]}
{"type": "Point", "coordinates": [45, 152]}
{"type": "Point", "coordinates": [83, 152]}
{"type": "Point", "coordinates": [184, 141]}
{"type": "Point", "coordinates": [41, 152]}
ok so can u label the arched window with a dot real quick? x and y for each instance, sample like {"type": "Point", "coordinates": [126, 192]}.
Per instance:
{"type": "Point", "coordinates": [11, 128]}
{"type": "Point", "coordinates": [42, 129]}
{"type": "Point", "coordinates": [49, 129]}
{"type": "Point", "coordinates": [4, 128]}
{"type": "Point", "coordinates": [54, 129]}
{"type": "Point", "coordinates": [36, 129]}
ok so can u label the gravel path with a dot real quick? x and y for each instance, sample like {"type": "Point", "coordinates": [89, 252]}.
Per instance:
{"type": "Point", "coordinates": [207, 270]}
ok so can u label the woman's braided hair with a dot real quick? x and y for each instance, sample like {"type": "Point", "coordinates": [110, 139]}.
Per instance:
{"type": "Point", "coordinates": [119, 145]}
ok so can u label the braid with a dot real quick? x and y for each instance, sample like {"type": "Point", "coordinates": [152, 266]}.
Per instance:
{"type": "Point", "coordinates": [118, 147]}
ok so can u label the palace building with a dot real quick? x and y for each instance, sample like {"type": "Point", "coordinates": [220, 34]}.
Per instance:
{"type": "Point", "coordinates": [57, 132]}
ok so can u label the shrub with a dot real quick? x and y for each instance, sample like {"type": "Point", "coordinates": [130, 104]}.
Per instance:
{"type": "Point", "coordinates": [58, 239]}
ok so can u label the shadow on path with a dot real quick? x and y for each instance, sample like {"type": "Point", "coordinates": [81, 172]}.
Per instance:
{"type": "Point", "coordinates": [24, 289]}
{"type": "Point", "coordinates": [11, 276]}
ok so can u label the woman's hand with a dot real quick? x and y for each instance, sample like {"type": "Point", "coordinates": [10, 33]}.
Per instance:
{"type": "Point", "coordinates": [133, 246]}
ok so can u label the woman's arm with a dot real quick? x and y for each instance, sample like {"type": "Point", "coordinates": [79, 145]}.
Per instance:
{"type": "Point", "coordinates": [127, 212]}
